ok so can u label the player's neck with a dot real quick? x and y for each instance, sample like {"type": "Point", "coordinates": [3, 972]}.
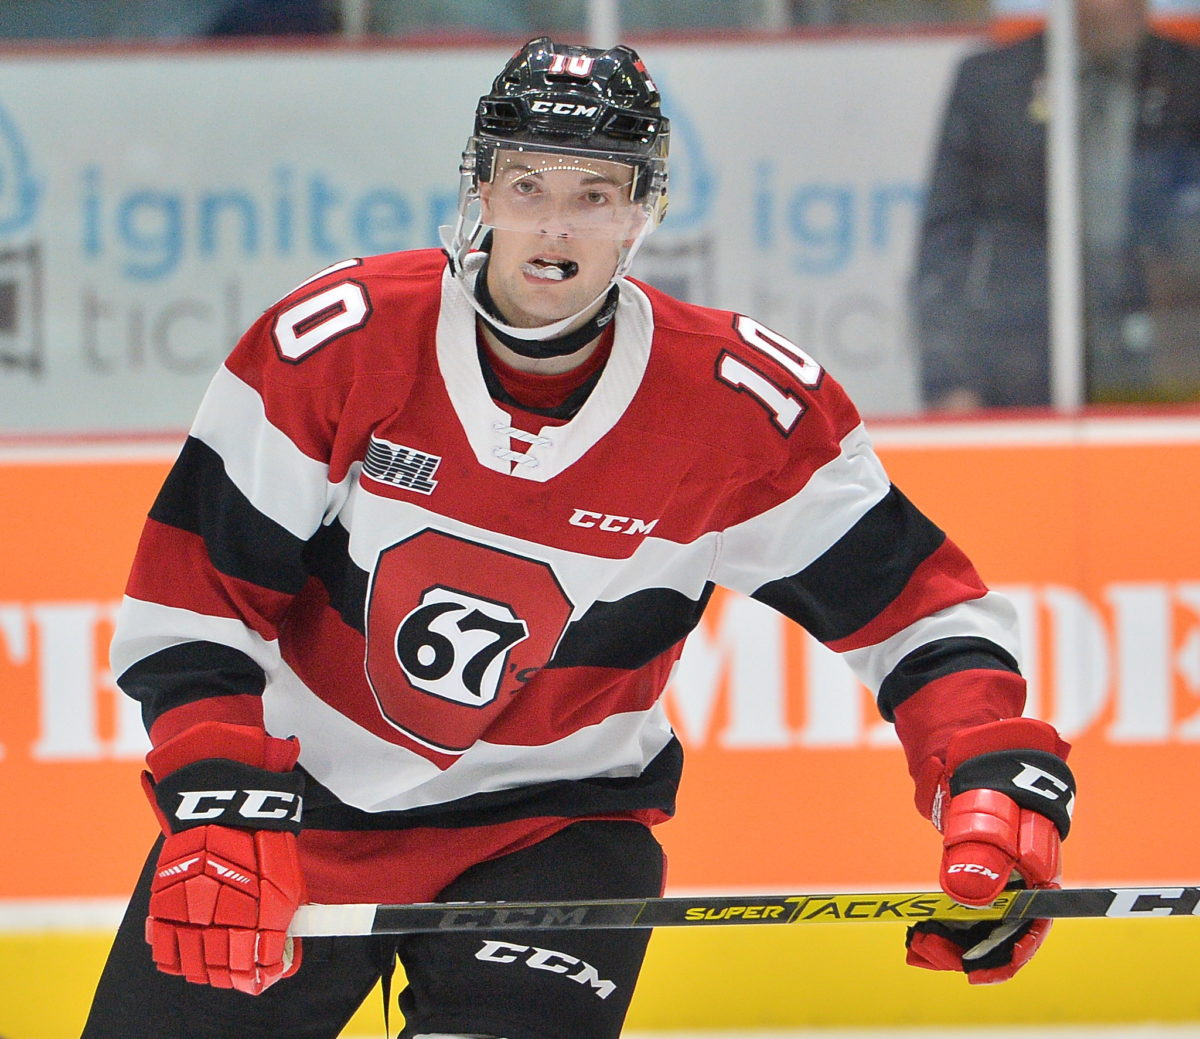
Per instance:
{"type": "Point", "coordinates": [538, 365]}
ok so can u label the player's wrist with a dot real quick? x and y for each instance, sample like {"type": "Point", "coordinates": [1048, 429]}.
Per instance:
{"type": "Point", "coordinates": [1022, 758]}
{"type": "Point", "coordinates": [217, 773]}
{"type": "Point", "coordinates": [1034, 780]}
{"type": "Point", "coordinates": [220, 792]}
{"type": "Point", "coordinates": [213, 739]}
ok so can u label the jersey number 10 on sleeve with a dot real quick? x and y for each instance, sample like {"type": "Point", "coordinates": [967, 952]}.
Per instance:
{"type": "Point", "coordinates": [308, 325]}
{"type": "Point", "coordinates": [784, 408]}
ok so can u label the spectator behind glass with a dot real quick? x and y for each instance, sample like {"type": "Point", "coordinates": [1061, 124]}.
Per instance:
{"type": "Point", "coordinates": [980, 313]}
{"type": "Point", "coordinates": [275, 18]}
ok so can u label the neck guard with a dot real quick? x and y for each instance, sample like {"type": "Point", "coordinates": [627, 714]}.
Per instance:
{"type": "Point", "coordinates": [558, 346]}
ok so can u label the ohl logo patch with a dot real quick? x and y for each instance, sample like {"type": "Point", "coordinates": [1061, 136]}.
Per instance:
{"type": "Point", "coordinates": [454, 631]}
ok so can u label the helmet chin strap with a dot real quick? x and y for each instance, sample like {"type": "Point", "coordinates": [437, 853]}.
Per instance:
{"type": "Point", "coordinates": [550, 340]}
{"type": "Point", "coordinates": [555, 346]}
{"type": "Point", "coordinates": [546, 340]}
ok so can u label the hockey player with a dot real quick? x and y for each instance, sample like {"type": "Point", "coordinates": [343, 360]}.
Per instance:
{"type": "Point", "coordinates": [401, 617]}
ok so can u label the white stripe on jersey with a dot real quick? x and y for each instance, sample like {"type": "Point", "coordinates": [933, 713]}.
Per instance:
{"type": "Point", "coordinates": [787, 538]}
{"type": "Point", "coordinates": [772, 545]}
{"type": "Point", "coordinates": [375, 775]}
{"type": "Point", "coordinates": [145, 628]}
{"type": "Point", "coordinates": [379, 523]}
{"type": "Point", "coordinates": [279, 479]}
{"type": "Point", "coordinates": [991, 617]}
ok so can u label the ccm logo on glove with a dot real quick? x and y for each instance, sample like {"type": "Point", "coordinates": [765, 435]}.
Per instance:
{"type": "Point", "coordinates": [1039, 781]}
{"type": "Point", "coordinates": [249, 804]}
{"type": "Point", "coordinates": [973, 867]}
{"type": "Point", "coordinates": [228, 793]}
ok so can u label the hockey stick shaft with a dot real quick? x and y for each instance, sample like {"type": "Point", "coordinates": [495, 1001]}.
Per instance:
{"type": "Point", "coordinates": [911, 907]}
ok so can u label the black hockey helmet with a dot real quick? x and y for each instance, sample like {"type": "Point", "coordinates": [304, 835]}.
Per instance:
{"type": "Point", "coordinates": [567, 100]}
{"type": "Point", "coordinates": [559, 107]}
{"type": "Point", "coordinates": [557, 96]}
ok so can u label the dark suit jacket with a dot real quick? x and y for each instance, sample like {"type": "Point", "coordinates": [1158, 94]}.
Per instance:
{"type": "Point", "coordinates": [980, 290]}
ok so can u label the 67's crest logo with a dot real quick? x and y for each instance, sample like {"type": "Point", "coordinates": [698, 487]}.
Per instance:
{"type": "Point", "coordinates": [454, 630]}
{"type": "Point", "coordinates": [455, 645]}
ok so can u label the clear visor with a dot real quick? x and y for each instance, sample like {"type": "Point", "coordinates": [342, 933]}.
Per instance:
{"type": "Point", "coordinates": [562, 195]}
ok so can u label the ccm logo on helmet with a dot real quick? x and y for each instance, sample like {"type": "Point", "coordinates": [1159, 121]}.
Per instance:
{"type": "Point", "coordinates": [973, 867]}
{"type": "Point", "coordinates": [563, 108]}
{"type": "Point", "coordinates": [254, 804]}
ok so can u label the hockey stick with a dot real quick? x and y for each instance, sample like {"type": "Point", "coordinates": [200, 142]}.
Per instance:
{"type": "Point", "coordinates": [425, 917]}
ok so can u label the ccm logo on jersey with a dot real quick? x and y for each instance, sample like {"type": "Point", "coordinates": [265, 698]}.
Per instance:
{"type": "Point", "coordinates": [195, 805]}
{"type": "Point", "coordinates": [548, 960]}
{"type": "Point", "coordinates": [613, 524]}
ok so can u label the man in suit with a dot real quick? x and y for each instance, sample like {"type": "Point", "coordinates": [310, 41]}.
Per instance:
{"type": "Point", "coordinates": [980, 299]}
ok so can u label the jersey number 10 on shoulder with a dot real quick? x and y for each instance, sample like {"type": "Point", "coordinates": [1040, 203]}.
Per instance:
{"type": "Point", "coordinates": [784, 407]}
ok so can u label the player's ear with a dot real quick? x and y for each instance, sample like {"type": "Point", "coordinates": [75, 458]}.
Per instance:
{"type": "Point", "coordinates": [485, 200]}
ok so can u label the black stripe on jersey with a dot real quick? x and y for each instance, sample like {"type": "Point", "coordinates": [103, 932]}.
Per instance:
{"type": "Point", "coordinates": [630, 632]}
{"type": "Point", "coordinates": [860, 575]}
{"type": "Point", "coordinates": [936, 660]}
{"type": "Point", "coordinates": [188, 672]}
{"type": "Point", "coordinates": [199, 497]}
{"type": "Point", "coordinates": [655, 788]}
{"type": "Point", "coordinates": [327, 557]}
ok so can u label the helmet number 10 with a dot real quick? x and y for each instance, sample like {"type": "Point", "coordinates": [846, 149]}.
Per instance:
{"type": "Point", "coordinates": [578, 65]}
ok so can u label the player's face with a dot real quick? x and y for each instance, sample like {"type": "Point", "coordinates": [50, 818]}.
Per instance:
{"type": "Point", "coordinates": [559, 223]}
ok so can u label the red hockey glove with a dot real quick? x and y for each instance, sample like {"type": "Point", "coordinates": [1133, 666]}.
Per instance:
{"type": "Point", "coordinates": [228, 876]}
{"type": "Point", "coordinates": [1003, 801]}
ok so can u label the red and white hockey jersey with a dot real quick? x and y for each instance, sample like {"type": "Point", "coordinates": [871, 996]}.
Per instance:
{"type": "Point", "coordinates": [469, 626]}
